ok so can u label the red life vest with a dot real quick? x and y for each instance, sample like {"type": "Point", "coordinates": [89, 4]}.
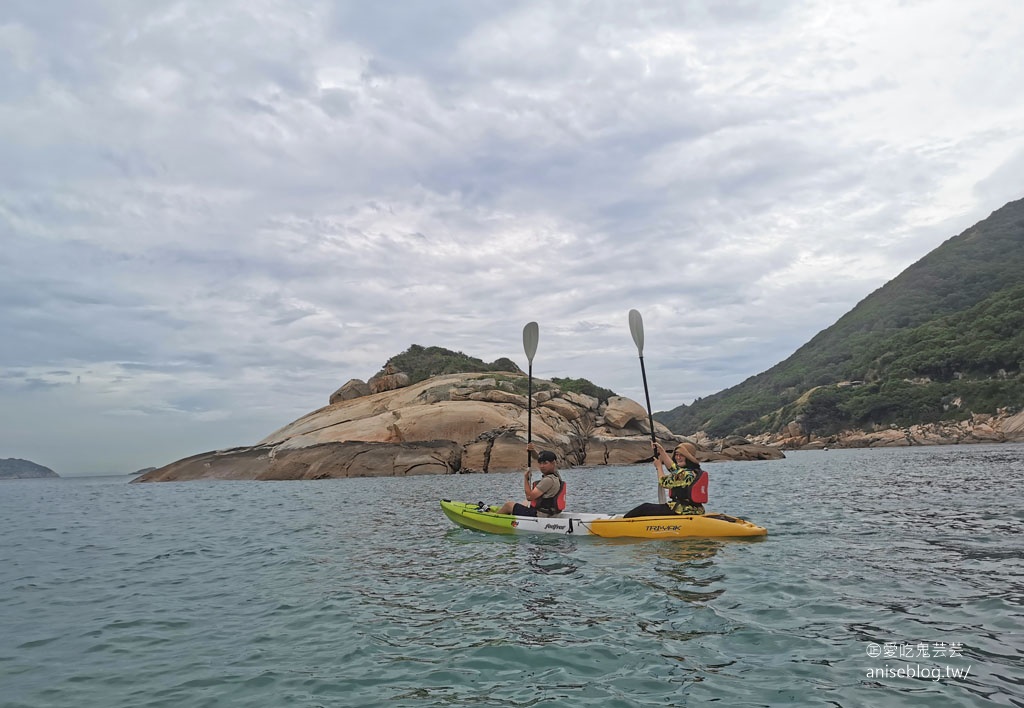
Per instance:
{"type": "Point", "coordinates": [551, 505]}
{"type": "Point", "coordinates": [699, 488]}
{"type": "Point", "coordinates": [696, 493]}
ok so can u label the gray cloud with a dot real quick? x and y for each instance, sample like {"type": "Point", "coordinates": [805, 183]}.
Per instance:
{"type": "Point", "coordinates": [212, 215]}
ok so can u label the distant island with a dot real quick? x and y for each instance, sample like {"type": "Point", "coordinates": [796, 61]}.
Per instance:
{"type": "Point", "coordinates": [14, 468]}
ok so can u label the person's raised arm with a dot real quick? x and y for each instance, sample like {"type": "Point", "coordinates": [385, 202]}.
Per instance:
{"type": "Point", "coordinates": [528, 488]}
{"type": "Point", "coordinates": [666, 458]}
{"type": "Point", "coordinates": [531, 491]}
{"type": "Point", "coordinates": [660, 458]}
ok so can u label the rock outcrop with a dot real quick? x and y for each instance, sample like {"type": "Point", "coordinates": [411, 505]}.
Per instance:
{"type": "Point", "coordinates": [342, 459]}
{"type": "Point", "coordinates": [388, 380]}
{"type": "Point", "coordinates": [454, 423]}
{"type": "Point", "coordinates": [979, 428]}
{"type": "Point", "coordinates": [354, 388]}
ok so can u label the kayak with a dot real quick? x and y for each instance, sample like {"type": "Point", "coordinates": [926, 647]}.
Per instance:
{"type": "Point", "coordinates": [677, 526]}
{"type": "Point", "coordinates": [480, 517]}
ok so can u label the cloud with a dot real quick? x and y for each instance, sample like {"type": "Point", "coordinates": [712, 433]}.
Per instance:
{"type": "Point", "coordinates": [213, 214]}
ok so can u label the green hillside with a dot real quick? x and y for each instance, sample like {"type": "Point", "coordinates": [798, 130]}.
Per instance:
{"type": "Point", "coordinates": [940, 341]}
{"type": "Point", "coordinates": [421, 363]}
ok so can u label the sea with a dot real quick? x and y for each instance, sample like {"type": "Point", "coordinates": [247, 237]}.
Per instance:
{"type": "Point", "coordinates": [889, 577]}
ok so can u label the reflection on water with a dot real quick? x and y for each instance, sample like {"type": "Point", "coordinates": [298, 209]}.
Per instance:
{"type": "Point", "coordinates": [679, 550]}
{"type": "Point", "coordinates": [551, 558]}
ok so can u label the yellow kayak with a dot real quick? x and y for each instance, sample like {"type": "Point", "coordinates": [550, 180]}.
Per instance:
{"type": "Point", "coordinates": [676, 526]}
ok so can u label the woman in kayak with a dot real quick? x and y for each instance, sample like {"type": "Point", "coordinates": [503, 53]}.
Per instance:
{"type": "Point", "coordinates": [547, 496]}
{"type": "Point", "coordinates": [686, 482]}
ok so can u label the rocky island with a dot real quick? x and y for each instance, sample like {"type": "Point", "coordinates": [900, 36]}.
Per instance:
{"type": "Point", "coordinates": [15, 468]}
{"type": "Point", "coordinates": [445, 424]}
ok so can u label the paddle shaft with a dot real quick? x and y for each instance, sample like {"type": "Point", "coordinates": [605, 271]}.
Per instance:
{"type": "Point", "coordinates": [531, 334]}
{"type": "Point", "coordinates": [529, 416]}
{"type": "Point", "coordinates": [647, 395]}
{"type": "Point", "coordinates": [636, 328]}
{"type": "Point", "coordinates": [650, 420]}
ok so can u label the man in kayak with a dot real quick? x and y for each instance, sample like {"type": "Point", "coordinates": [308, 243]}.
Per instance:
{"type": "Point", "coordinates": [686, 482]}
{"type": "Point", "coordinates": [544, 498]}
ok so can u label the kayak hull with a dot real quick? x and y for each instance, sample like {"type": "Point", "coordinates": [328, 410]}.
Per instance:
{"type": "Point", "coordinates": [471, 516]}
{"type": "Point", "coordinates": [677, 526]}
{"type": "Point", "coordinates": [477, 518]}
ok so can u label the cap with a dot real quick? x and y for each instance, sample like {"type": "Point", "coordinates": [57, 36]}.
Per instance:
{"type": "Point", "coordinates": [546, 456]}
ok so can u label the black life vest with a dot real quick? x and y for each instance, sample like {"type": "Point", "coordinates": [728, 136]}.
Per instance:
{"type": "Point", "coordinates": [551, 505]}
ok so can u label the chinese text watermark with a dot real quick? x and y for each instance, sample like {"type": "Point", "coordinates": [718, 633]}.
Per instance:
{"type": "Point", "coordinates": [916, 670]}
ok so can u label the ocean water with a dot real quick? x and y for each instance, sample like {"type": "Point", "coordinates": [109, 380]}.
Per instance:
{"type": "Point", "coordinates": [888, 578]}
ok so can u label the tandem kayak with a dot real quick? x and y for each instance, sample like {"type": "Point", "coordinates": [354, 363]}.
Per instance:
{"type": "Point", "coordinates": [482, 518]}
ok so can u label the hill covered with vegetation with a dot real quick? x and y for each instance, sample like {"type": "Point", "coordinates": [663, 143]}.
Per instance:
{"type": "Point", "coordinates": [16, 468]}
{"type": "Point", "coordinates": [584, 386]}
{"type": "Point", "coordinates": [941, 341]}
{"type": "Point", "coordinates": [420, 363]}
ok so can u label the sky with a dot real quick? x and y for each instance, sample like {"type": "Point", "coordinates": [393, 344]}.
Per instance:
{"type": "Point", "coordinates": [213, 214]}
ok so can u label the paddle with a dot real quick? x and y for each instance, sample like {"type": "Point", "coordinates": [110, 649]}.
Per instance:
{"type": "Point", "coordinates": [636, 328]}
{"type": "Point", "coordinates": [531, 334]}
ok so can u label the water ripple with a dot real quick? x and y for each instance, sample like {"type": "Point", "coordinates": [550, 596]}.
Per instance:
{"type": "Point", "coordinates": [269, 594]}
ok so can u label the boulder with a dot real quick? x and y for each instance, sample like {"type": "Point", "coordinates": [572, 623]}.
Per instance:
{"type": "Point", "coordinates": [607, 450]}
{"type": "Point", "coordinates": [582, 400]}
{"type": "Point", "coordinates": [983, 432]}
{"type": "Point", "coordinates": [388, 379]}
{"type": "Point", "coordinates": [498, 396]}
{"type": "Point", "coordinates": [388, 383]}
{"type": "Point", "coordinates": [564, 408]}
{"type": "Point", "coordinates": [353, 388]}
{"type": "Point", "coordinates": [621, 411]}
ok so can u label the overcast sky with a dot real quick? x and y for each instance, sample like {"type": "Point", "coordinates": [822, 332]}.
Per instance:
{"type": "Point", "coordinates": [215, 213]}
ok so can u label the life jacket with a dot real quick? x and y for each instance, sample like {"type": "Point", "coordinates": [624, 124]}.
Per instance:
{"type": "Point", "coordinates": [551, 505]}
{"type": "Point", "coordinates": [696, 493]}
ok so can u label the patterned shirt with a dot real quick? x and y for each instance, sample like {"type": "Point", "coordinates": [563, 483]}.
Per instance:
{"type": "Point", "coordinates": [681, 477]}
